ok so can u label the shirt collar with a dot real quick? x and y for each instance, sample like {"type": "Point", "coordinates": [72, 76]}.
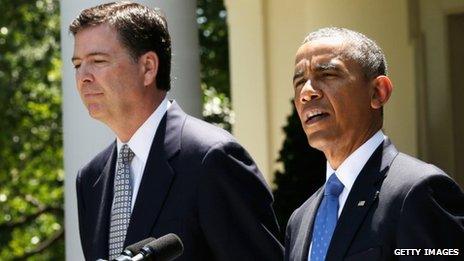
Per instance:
{"type": "Point", "coordinates": [140, 142]}
{"type": "Point", "coordinates": [350, 168]}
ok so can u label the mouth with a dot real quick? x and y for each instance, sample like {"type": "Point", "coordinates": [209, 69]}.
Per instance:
{"type": "Point", "coordinates": [314, 116]}
{"type": "Point", "coordinates": [92, 95]}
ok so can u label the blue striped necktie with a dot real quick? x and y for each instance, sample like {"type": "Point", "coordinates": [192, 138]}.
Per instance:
{"type": "Point", "coordinates": [326, 219]}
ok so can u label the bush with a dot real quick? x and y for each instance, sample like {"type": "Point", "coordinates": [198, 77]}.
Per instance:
{"type": "Point", "coordinates": [303, 172]}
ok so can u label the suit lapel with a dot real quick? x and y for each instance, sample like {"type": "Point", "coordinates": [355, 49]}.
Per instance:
{"type": "Point", "coordinates": [308, 221]}
{"type": "Point", "coordinates": [365, 188]}
{"type": "Point", "coordinates": [103, 190]}
{"type": "Point", "coordinates": [157, 176]}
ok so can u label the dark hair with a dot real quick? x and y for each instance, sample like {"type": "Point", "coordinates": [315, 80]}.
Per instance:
{"type": "Point", "coordinates": [140, 30]}
{"type": "Point", "coordinates": [364, 51]}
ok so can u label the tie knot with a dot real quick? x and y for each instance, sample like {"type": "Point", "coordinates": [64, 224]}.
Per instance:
{"type": "Point", "coordinates": [334, 186]}
{"type": "Point", "coordinates": [125, 154]}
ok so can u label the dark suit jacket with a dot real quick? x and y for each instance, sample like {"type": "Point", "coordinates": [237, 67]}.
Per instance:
{"type": "Point", "coordinates": [408, 204]}
{"type": "Point", "coordinates": [198, 183]}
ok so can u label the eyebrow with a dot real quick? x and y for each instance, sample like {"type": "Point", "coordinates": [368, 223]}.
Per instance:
{"type": "Point", "coordinates": [326, 67]}
{"type": "Point", "coordinates": [317, 68]}
{"type": "Point", "coordinates": [298, 74]}
{"type": "Point", "coordinates": [74, 58]}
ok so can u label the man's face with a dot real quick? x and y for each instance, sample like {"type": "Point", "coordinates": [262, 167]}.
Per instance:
{"type": "Point", "coordinates": [332, 96]}
{"type": "Point", "coordinates": [108, 79]}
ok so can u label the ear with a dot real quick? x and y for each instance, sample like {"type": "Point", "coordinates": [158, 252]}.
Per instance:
{"type": "Point", "coordinates": [383, 88]}
{"type": "Point", "coordinates": [149, 62]}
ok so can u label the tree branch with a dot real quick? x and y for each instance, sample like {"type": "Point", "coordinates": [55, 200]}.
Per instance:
{"type": "Point", "coordinates": [42, 246]}
{"type": "Point", "coordinates": [29, 218]}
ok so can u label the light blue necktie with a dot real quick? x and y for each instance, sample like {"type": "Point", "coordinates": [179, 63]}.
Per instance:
{"type": "Point", "coordinates": [326, 219]}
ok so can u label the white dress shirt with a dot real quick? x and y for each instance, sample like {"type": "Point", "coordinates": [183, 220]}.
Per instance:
{"type": "Point", "coordinates": [140, 143]}
{"type": "Point", "coordinates": [350, 168]}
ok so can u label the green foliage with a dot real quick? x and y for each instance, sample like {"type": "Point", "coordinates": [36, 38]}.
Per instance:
{"type": "Point", "coordinates": [31, 154]}
{"type": "Point", "coordinates": [217, 108]}
{"type": "Point", "coordinates": [303, 174]}
{"type": "Point", "coordinates": [214, 57]}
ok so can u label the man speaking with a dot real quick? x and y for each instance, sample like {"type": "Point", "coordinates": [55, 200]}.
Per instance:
{"type": "Point", "coordinates": [167, 172]}
{"type": "Point", "coordinates": [376, 200]}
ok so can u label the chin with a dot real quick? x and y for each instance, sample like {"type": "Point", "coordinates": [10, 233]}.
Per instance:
{"type": "Point", "coordinates": [95, 114]}
{"type": "Point", "coordinates": [317, 140]}
{"type": "Point", "coordinates": [94, 110]}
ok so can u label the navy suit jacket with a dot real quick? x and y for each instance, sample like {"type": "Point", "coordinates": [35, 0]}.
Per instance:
{"type": "Point", "coordinates": [198, 183]}
{"type": "Point", "coordinates": [407, 204]}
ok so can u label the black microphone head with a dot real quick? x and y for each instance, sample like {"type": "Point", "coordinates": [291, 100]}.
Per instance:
{"type": "Point", "coordinates": [135, 248]}
{"type": "Point", "coordinates": [165, 248]}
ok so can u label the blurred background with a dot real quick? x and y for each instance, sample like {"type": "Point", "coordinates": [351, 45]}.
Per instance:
{"type": "Point", "coordinates": [232, 65]}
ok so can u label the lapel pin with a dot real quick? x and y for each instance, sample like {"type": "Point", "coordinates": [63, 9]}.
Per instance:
{"type": "Point", "coordinates": [361, 203]}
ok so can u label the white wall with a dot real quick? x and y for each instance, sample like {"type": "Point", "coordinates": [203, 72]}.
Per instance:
{"type": "Point", "coordinates": [440, 137]}
{"type": "Point", "coordinates": [249, 91]}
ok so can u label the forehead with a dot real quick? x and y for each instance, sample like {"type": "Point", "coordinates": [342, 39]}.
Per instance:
{"type": "Point", "coordinates": [100, 38]}
{"type": "Point", "coordinates": [321, 50]}
{"type": "Point", "coordinates": [325, 54]}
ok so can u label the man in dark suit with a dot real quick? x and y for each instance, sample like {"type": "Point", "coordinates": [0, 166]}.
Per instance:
{"type": "Point", "coordinates": [377, 203]}
{"type": "Point", "coordinates": [167, 172]}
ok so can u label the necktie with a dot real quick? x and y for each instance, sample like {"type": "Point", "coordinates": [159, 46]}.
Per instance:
{"type": "Point", "coordinates": [122, 199]}
{"type": "Point", "coordinates": [326, 219]}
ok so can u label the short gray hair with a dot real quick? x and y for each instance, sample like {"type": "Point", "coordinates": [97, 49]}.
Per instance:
{"type": "Point", "coordinates": [363, 51]}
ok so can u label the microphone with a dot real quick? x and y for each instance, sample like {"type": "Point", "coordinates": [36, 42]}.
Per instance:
{"type": "Point", "coordinates": [133, 249]}
{"type": "Point", "coordinates": [165, 248]}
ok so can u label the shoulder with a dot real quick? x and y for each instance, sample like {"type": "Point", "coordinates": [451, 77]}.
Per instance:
{"type": "Point", "coordinates": [223, 161]}
{"type": "Point", "coordinates": [405, 162]}
{"type": "Point", "coordinates": [417, 183]}
{"type": "Point", "coordinates": [215, 151]}
{"type": "Point", "coordinates": [406, 172]}
{"type": "Point", "coordinates": [219, 153]}
{"type": "Point", "coordinates": [195, 136]}
{"type": "Point", "coordinates": [199, 131]}
{"type": "Point", "coordinates": [428, 202]}
{"type": "Point", "coordinates": [200, 138]}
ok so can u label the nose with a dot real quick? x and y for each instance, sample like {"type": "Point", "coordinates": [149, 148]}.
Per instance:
{"type": "Point", "coordinates": [309, 92]}
{"type": "Point", "coordinates": [83, 74]}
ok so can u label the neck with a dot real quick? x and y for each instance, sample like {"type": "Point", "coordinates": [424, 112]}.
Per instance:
{"type": "Point", "coordinates": [125, 131]}
{"type": "Point", "coordinates": [128, 123]}
{"type": "Point", "coordinates": [338, 153]}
